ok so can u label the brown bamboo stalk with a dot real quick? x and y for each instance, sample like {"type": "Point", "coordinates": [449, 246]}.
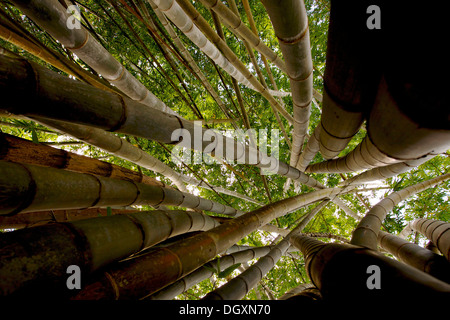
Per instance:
{"type": "Point", "coordinates": [32, 219]}
{"type": "Point", "coordinates": [290, 23]}
{"type": "Point", "coordinates": [202, 273]}
{"type": "Point", "coordinates": [90, 244]}
{"type": "Point", "coordinates": [340, 271]}
{"type": "Point", "coordinates": [171, 263]}
{"type": "Point", "coordinates": [352, 74]}
{"type": "Point", "coordinates": [90, 106]}
{"type": "Point", "coordinates": [52, 17]}
{"type": "Point", "coordinates": [27, 188]}
{"type": "Point", "coordinates": [20, 150]}
{"type": "Point", "coordinates": [416, 256]}
{"type": "Point", "coordinates": [366, 233]}
{"type": "Point", "coordinates": [437, 231]}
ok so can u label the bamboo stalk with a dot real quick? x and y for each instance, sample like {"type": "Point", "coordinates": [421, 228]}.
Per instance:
{"type": "Point", "coordinates": [182, 14]}
{"type": "Point", "coordinates": [27, 188]}
{"type": "Point", "coordinates": [311, 149]}
{"type": "Point", "coordinates": [86, 105]}
{"type": "Point", "coordinates": [416, 256]}
{"type": "Point", "coordinates": [167, 265]}
{"type": "Point", "coordinates": [52, 17]}
{"type": "Point", "coordinates": [340, 272]}
{"type": "Point", "coordinates": [294, 291]}
{"type": "Point", "coordinates": [90, 244]}
{"type": "Point", "coordinates": [32, 219]}
{"type": "Point", "coordinates": [366, 233]}
{"type": "Point", "coordinates": [20, 150]}
{"type": "Point", "coordinates": [437, 231]}
{"type": "Point", "coordinates": [203, 273]}
{"type": "Point", "coordinates": [290, 23]}
{"type": "Point", "coordinates": [352, 73]}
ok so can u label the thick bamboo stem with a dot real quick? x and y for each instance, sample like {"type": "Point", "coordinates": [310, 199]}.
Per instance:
{"type": "Point", "coordinates": [84, 104]}
{"type": "Point", "coordinates": [437, 231]}
{"type": "Point", "coordinates": [416, 256]}
{"type": "Point", "coordinates": [167, 265]}
{"type": "Point", "coordinates": [52, 17]}
{"type": "Point", "coordinates": [27, 188]}
{"type": "Point", "coordinates": [366, 233]}
{"type": "Point", "coordinates": [90, 244]}
{"type": "Point", "coordinates": [340, 271]}
{"type": "Point", "coordinates": [202, 273]}
{"type": "Point", "coordinates": [290, 23]}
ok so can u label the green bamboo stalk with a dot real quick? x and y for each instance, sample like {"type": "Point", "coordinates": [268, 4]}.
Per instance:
{"type": "Point", "coordinates": [167, 265]}
{"type": "Point", "coordinates": [366, 233]}
{"type": "Point", "coordinates": [28, 188]}
{"type": "Point", "coordinates": [416, 256]}
{"type": "Point", "coordinates": [340, 272]}
{"type": "Point", "coordinates": [203, 273]}
{"type": "Point", "coordinates": [290, 23]}
{"type": "Point", "coordinates": [90, 244]}
{"type": "Point", "coordinates": [84, 104]}
{"type": "Point", "coordinates": [52, 17]}
{"type": "Point", "coordinates": [437, 231]}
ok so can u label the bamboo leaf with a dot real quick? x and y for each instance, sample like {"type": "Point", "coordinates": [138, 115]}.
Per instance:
{"type": "Point", "coordinates": [34, 136]}
{"type": "Point", "coordinates": [108, 211]}
{"type": "Point", "coordinates": [228, 270]}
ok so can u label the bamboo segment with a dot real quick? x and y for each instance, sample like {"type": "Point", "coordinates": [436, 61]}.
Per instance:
{"type": "Point", "coordinates": [203, 273]}
{"type": "Point", "coordinates": [52, 17]}
{"type": "Point", "coordinates": [341, 272]}
{"type": "Point", "coordinates": [28, 188]}
{"type": "Point", "coordinates": [182, 14]}
{"type": "Point", "coordinates": [86, 105]}
{"type": "Point", "coordinates": [349, 212]}
{"type": "Point", "coordinates": [92, 243]}
{"type": "Point", "coordinates": [352, 73]}
{"type": "Point", "coordinates": [311, 149]}
{"type": "Point", "coordinates": [15, 149]}
{"type": "Point", "coordinates": [166, 265]}
{"type": "Point", "coordinates": [437, 231]}
{"type": "Point", "coordinates": [416, 256]}
{"type": "Point", "coordinates": [290, 23]}
{"type": "Point", "coordinates": [366, 233]}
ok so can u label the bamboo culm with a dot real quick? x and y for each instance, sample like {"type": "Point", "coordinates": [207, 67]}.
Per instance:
{"type": "Point", "coordinates": [366, 233]}
{"type": "Point", "coordinates": [26, 188]}
{"type": "Point", "coordinates": [89, 244]}
{"type": "Point", "coordinates": [86, 105]}
{"type": "Point", "coordinates": [437, 231]}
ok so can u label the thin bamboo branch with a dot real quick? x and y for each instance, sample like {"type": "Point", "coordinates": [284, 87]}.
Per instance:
{"type": "Point", "coordinates": [366, 233]}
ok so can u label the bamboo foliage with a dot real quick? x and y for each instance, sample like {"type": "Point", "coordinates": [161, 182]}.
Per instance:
{"type": "Point", "coordinates": [165, 266]}
{"type": "Point", "coordinates": [90, 106]}
{"type": "Point", "coordinates": [366, 233]}
{"type": "Point", "coordinates": [437, 231]}
{"type": "Point", "coordinates": [416, 256]}
{"type": "Point", "coordinates": [90, 244]}
{"type": "Point", "coordinates": [291, 28]}
{"type": "Point", "coordinates": [28, 188]}
{"type": "Point", "coordinates": [52, 17]}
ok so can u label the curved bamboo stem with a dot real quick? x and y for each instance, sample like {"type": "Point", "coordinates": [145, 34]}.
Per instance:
{"type": "Point", "coordinates": [366, 233]}
{"type": "Point", "coordinates": [416, 256]}
{"type": "Point", "coordinates": [167, 265]}
{"type": "Point", "coordinates": [52, 17]}
{"type": "Point", "coordinates": [202, 273]}
{"type": "Point", "coordinates": [28, 188]}
{"type": "Point", "coordinates": [290, 23]}
{"type": "Point", "coordinates": [90, 244]}
{"type": "Point", "coordinates": [84, 104]}
{"type": "Point", "coordinates": [437, 231]}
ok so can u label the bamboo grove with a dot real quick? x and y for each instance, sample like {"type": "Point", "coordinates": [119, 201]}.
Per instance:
{"type": "Point", "coordinates": [93, 91]}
